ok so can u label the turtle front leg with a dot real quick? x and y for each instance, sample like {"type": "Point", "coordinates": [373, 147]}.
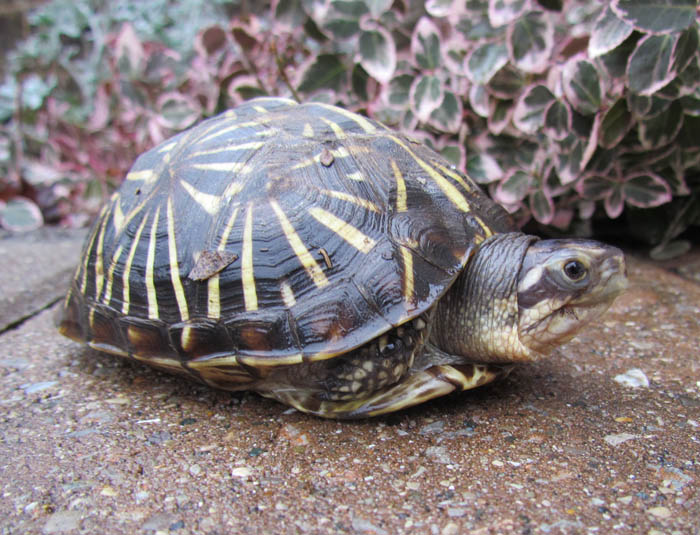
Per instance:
{"type": "Point", "coordinates": [417, 387]}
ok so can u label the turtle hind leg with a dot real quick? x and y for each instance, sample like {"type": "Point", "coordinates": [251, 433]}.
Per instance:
{"type": "Point", "coordinates": [417, 387]}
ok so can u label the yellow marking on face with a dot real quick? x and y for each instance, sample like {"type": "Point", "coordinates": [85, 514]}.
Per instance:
{"type": "Point", "coordinates": [213, 292]}
{"type": "Point", "coordinates": [99, 261]}
{"type": "Point", "coordinates": [175, 266]}
{"type": "Point", "coordinates": [484, 226]}
{"type": "Point", "coordinates": [345, 230]}
{"type": "Point", "coordinates": [88, 253]}
{"type": "Point", "coordinates": [110, 275]}
{"type": "Point", "coordinates": [407, 274]}
{"type": "Point", "coordinates": [210, 203]}
{"type": "Point", "coordinates": [451, 192]}
{"type": "Point", "coordinates": [118, 219]}
{"type": "Point", "coordinates": [308, 131]}
{"type": "Point", "coordinates": [308, 261]}
{"type": "Point", "coordinates": [221, 131]}
{"type": "Point", "coordinates": [357, 176]}
{"type": "Point", "coordinates": [359, 201]}
{"type": "Point", "coordinates": [335, 127]}
{"type": "Point", "coordinates": [250, 295]}
{"type": "Point", "coordinates": [251, 145]}
{"type": "Point", "coordinates": [151, 296]}
{"type": "Point", "coordinates": [366, 125]}
{"type": "Point", "coordinates": [400, 188]}
{"type": "Point", "coordinates": [168, 147]}
{"type": "Point", "coordinates": [455, 176]}
{"type": "Point", "coordinates": [287, 295]}
{"type": "Point", "coordinates": [146, 174]}
{"type": "Point", "coordinates": [127, 267]}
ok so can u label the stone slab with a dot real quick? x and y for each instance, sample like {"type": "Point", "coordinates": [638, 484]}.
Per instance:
{"type": "Point", "coordinates": [93, 444]}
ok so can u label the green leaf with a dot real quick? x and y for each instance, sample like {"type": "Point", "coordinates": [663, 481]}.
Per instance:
{"type": "Point", "coordinates": [649, 68]}
{"type": "Point", "coordinates": [646, 190]}
{"type": "Point", "coordinates": [617, 121]}
{"type": "Point", "coordinates": [448, 116]}
{"type": "Point", "coordinates": [353, 8]}
{"type": "Point", "coordinates": [507, 83]}
{"type": "Point", "coordinates": [177, 111]}
{"type": "Point", "coordinates": [426, 95]}
{"type": "Point", "coordinates": [500, 115]}
{"type": "Point", "coordinates": [425, 45]}
{"type": "Point", "coordinates": [326, 72]}
{"type": "Point", "coordinates": [528, 115]}
{"type": "Point", "coordinates": [595, 187]}
{"type": "Point", "coordinates": [20, 215]}
{"type": "Point", "coordinates": [582, 86]}
{"type": "Point", "coordinates": [542, 207]}
{"type": "Point", "coordinates": [514, 187]}
{"type": "Point", "coordinates": [685, 50]}
{"type": "Point", "coordinates": [378, 7]}
{"type": "Point", "coordinates": [342, 28]}
{"type": "Point", "coordinates": [359, 80]}
{"type": "Point", "coordinates": [378, 54]}
{"type": "Point", "coordinates": [479, 100]}
{"type": "Point", "coordinates": [663, 128]}
{"type": "Point", "coordinates": [485, 61]}
{"type": "Point", "coordinates": [290, 12]}
{"type": "Point", "coordinates": [483, 168]}
{"type": "Point", "coordinates": [557, 120]}
{"type": "Point", "coordinates": [530, 41]}
{"type": "Point", "coordinates": [399, 89]}
{"type": "Point", "coordinates": [502, 12]}
{"type": "Point", "coordinates": [438, 8]}
{"type": "Point", "coordinates": [657, 16]}
{"type": "Point", "coordinates": [615, 202]}
{"type": "Point", "coordinates": [608, 33]}
{"type": "Point", "coordinates": [615, 61]}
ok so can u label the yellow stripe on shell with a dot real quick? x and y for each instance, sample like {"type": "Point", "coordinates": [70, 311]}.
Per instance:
{"type": "Point", "coordinates": [287, 295]}
{"type": "Point", "coordinates": [400, 188]}
{"type": "Point", "coordinates": [408, 290]}
{"type": "Point", "coordinates": [174, 265]}
{"type": "Point", "coordinates": [147, 175]}
{"type": "Point", "coordinates": [250, 295]}
{"type": "Point", "coordinates": [308, 131]}
{"type": "Point", "coordinates": [88, 253]}
{"type": "Point", "coordinates": [308, 261]}
{"type": "Point", "coordinates": [359, 201]}
{"type": "Point", "coordinates": [335, 127]}
{"type": "Point", "coordinates": [451, 192]}
{"type": "Point", "coordinates": [484, 226]}
{"type": "Point", "coordinates": [357, 176]}
{"type": "Point", "coordinates": [151, 295]}
{"type": "Point", "coordinates": [127, 267]}
{"type": "Point", "coordinates": [167, 147]}
{"type": "Point", "coordinates": [454, 176]}
{"type": "Point", "coordinates": [221, 131]}
{"type": "Point", "coordinates": [345, 230]}
{"type": "Point", "coordinates": [99, 260]}
{"type": "Point", "coordinates": [363, 123]}
{"type": "Point", "coordinates": [209, 203]}
{"type": "Point", "coordinates": [251, 145]}
{"type": "Point", "coordinates": [110, 275]}
{"type": "Point", "coordinates": [213, 290]}
{"type": "Point", "coordinates": [118, 219]}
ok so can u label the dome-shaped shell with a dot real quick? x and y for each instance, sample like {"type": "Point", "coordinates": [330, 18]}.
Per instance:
{"type": "Point", "coordinates": [311, 230]}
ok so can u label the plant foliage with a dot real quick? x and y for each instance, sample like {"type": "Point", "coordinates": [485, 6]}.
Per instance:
{"type": "Point", "coordinates": [566, 111]}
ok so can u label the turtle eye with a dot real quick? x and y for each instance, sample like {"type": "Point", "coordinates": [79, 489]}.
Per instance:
{"type": "Point", "coordinates": [575, 270]}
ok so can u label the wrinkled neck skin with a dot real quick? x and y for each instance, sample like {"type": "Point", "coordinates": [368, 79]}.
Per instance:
{"type": "Point", "coordinates": [478, 318]}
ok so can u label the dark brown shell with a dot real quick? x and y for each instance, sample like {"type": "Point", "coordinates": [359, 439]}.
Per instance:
{"type": "Point", "coordinates": [335, 230]}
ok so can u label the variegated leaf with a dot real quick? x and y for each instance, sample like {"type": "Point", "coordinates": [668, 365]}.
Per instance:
{"type": "Point", "coordinates": [557, 120]}
{"type": "Point", "coordinates": [502, 12]}
{"type": "Point", "coordinates": [20, 215]}
{"type": "Point", "coordinates": [542, 207]}
{"type": "Point", "coordinates": [649, 68]}
{"type": "Point", "coordinates": [448, 116]}
{"type": "Point", "coordinates": [528, 115]}
{"type": "Point", "coordinates": [617, 121]}
{"type": "Point", "coordinates": [582, 86]}
{"type": "Point", "coordinates": [438, 8]}
{"type": "Point", "coordinates": [615, 202]}
{"type": "Point", "coordinates": [663, 128]}
{"type": "Point", "coordinates": [514, 187]}
{"type": "Point", "coordinates": [485, 61]}
{"type": "Point", "coordinates": [646, 190]}
{"type": "Point", "coordinates": [657, 16]}
{"type": "Point", "coordinates": [609, 32]}
{"type": "Point", "coordinates": [426, 95]}
{"type": "Point", "coordinates": [479, 100]}
{"type": "Point", "coordinates": [483, 168]}
{"type": "Point", "coordinates": [530, 41]}
{"type": "Point", "coordinates": [425, 45]}
{"type": "Point", "coordinates": [378, 54]}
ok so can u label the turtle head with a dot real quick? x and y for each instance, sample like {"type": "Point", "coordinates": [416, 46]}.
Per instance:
{"type": "Point", "coordinates": [562, 286]}
{"type": "Point", "coordinates": [519, 297]}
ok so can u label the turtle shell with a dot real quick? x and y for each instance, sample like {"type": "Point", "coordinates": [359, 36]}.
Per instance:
{"type": "Point", "coordinates": [274, 233]}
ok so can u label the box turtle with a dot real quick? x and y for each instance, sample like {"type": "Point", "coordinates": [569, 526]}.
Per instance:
{"type": "Point", "coordinates": [321, 259]}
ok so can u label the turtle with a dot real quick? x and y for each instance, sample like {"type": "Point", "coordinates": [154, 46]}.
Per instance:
{"type": "Point", "coordinates": [317, 257]}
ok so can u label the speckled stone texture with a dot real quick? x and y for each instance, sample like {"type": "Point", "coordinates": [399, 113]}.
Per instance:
{"type": "Point", "coordinates": [603, 437]}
